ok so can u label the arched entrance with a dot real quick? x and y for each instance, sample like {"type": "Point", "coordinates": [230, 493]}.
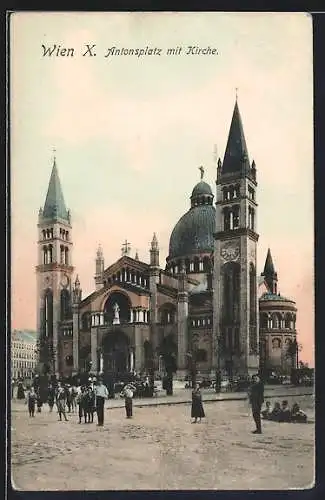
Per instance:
{"type": "Point", "coordinates": [116, 352]}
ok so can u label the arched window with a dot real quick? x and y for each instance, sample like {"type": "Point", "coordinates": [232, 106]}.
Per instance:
{"type": "Point", "coordinates": [251, 218]}
{"type": "Point", "coordinates": [50, 254]}
{"type": "Point", "coordinates": [45, 255]}
{"type": "Point", "coordinates": [85, 321]}
{"type": "Point", "coordinates": [66, 255]}
{"type": "Point", "coordinates": [196, 265]}
{"type": "Point", "coordinates": [44, 234]}
{"type": "Point", "coordinates": [61, 254]}
{"type": "Point", "coordinates": [275, 321]}
{"type": "Point", "coordinates": [226, 219]}
{"type": "Point", "coordinates": [288, 320]}
{"type": "Point", "coordinates": [167, 314]}
{"type": "Point", "coordinates": [65, 304]}
{"type": "Point", "coordinates": [235, 217]}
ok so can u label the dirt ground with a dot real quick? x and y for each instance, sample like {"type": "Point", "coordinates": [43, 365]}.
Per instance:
{"type": "Point", "coordinates": [160, 449]}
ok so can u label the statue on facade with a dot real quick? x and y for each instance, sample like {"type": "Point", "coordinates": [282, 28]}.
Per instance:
{"type": "Point", "coordinates": [116, 309]}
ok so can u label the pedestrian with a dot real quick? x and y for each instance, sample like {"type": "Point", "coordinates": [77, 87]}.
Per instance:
{"type": "Point", "coordinates": [81, 401]}
{"type": "Point", "coordinates": [256, 399]}
{"type": "Point", "coordinates": [31, 401]}
{"type": "Point", "coordinates": [127, 393]}
{"type": "Point", "coordinates": [20, 390]}
{"type": "Point", "coordinates": [89, 404]}
{"type": "Point", "coordinates": [51, 397]}
{"type": "Point", "coordinates": [197, 411]}
{"type": "Point", "coordinates": [101, 393]}
{"type": "Point", "coordinates": [61, 399]}
{"type": "Point", "coordinates": [39, 401]}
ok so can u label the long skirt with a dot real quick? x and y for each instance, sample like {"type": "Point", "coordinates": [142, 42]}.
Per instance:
{"type": "Point", "coordinates": [197, 410]}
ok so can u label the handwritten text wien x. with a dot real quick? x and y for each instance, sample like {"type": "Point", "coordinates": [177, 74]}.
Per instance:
{"type": "Point", "coordinates": [90, 50]}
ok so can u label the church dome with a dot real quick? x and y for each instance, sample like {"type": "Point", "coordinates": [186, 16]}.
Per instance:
{"type": "Point", "coordinates": [202, 188]}
{"type": "Point", "coordinates": [193, 233]}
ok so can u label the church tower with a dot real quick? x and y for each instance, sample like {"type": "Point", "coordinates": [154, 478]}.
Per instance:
{"type": "Point", "coordinates": [235, 282]}
{"type": "Point", "coordinates": [54, 272]}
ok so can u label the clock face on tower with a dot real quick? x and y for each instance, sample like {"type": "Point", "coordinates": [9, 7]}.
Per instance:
{"type": "Point", "coordinates": [64, 280]}
{"type": "Point", "coordinates": [230, 252]}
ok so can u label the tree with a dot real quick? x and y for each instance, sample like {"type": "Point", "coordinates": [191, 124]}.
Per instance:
{"type": "Point", "coordinates": [292, 354]}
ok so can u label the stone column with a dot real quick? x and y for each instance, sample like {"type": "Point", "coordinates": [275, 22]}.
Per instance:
{"type": "Point", "coordinates": [138, 349]}
{"type": "Point", "coordinates": [101, 362]}
{"type": "Point", "coordinates": [131, 363]}
{"type": "Point", "coordinates": [94, 349]}
{"type": "Point", "coordinates": [56, 335]}
{"type": "Point", "coordinates": [182, 314]}
{"type": "Point", "coordinates": [75, 337]}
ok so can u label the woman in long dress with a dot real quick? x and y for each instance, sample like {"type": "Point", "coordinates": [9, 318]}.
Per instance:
{"type": "Point", "coordinates": [197, 411]}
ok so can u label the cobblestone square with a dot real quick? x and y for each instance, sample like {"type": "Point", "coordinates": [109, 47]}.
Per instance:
{"type": "Point", "coordinates": [160, 449]}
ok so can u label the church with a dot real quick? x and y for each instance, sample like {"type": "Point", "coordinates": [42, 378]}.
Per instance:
{"type": "Point", "coordinates": [206, 305]}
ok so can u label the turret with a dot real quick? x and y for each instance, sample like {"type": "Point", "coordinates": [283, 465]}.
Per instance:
{"type": "Point", "coordinates": [154, 252]}
{"type": "Point", "coordinates": [99, 268]}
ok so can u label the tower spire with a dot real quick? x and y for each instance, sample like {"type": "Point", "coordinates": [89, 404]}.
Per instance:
{"type": "Point", "coordinates": [54, 207]}
{"type": "Point", "coordinates": [269, 273]}
{"type": "Point", "coordinates": [154, 251]}
{"type": "Point", "coordinates": [236, 154]}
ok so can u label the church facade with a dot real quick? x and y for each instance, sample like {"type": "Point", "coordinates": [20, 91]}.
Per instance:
{"type": "Point", "coordinates": [206, 306]}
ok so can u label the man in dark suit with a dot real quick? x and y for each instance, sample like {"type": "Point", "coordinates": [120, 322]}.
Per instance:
{"type": "Point", "coordinates": [256, 399]}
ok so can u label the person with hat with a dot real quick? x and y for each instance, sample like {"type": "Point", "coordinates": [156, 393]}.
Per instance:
{"type": "Point", "coordinates": [256, 399]}
{"type": "Point", "coordinates": [127, 392]}
{"type": "Point", "coordinates": [101, 393]}
{"type": "Point", "coordinates": [61, 399]}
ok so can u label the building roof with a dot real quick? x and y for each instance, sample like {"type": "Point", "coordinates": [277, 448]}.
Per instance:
{"type": "Point", "coordinates": [201, 188]}
{"type": "Point", "coordinates": [193, 233]}
{"type": "Point", "coordinates": [28, 336]}
{"type": "Point", "coordinates": [274, 298]}
{"type": "Point", "coordinates": [269, 269]}
{"type": "Point", "coordinates": [54, 207]}
{"type": "Point", "coordinates": [236, 154]}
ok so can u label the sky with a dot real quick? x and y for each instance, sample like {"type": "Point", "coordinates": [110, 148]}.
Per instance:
{"type": "Point", "coordinates": [130, 132]}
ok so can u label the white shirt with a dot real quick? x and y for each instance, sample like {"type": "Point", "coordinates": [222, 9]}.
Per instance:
{"type": "Point", "coordinates": [101, 391]}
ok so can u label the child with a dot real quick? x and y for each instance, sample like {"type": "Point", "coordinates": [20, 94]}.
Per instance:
{"type": "Point", "coordinates": [81, 400]}
{"type": "Point", "coordinates": [297, 415]}
{"type": "Point", "coordinates": [276, 412]}
{"type": "Point", "coordinates": [267, 412]}
{"type": "Point", "coordinates": [285, 412]}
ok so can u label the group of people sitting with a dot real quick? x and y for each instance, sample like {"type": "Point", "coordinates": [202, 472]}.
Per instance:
{"type": "Point", "coordinates": [283, 413]}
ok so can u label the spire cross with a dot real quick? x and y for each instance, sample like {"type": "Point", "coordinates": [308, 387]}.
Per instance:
{"type": "Point", "coordinates": [236, 89]}
{"type": "Point", "coordinates": [201, 172]}
{"type": "Point", "coordinates": [126, 248]}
